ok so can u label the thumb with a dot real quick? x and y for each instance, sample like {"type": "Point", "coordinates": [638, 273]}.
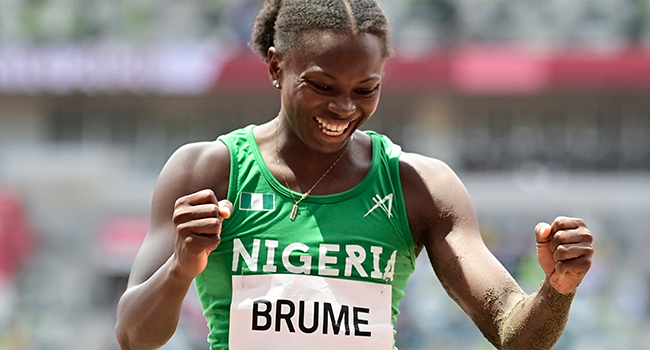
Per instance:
{"type": "Point", "coordinates": [225, 208]}
{"type": "Point", "coordinates": [542, 232]}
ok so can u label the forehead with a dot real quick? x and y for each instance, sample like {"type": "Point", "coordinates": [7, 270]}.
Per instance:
{"type": "Point", "coordinates": [336, 51]}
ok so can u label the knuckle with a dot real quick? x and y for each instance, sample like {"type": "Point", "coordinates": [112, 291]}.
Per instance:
{"type": "Point", "coordinates": [180, 202]}
{"type": "Point", "coordinates": [213, 210]}
{"type": "Point", "coordinates": [182, 228]}
{"type": "Point", "coordinates": [179, 216]}
{"type": "Point", "coordinates": [214, 224]}
{"type": "Point", "coordinates": [207, 194]}
{"type": "Point", "coordinates": [216, 240]}
{"type": "Point", "coordinates": [561, 250]}
{"type": "Point", "coordinates": [209, 226]}
{"type": "Point", "coordinates": [587, 261]}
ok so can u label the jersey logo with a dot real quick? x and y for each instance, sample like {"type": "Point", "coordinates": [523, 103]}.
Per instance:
{"type": "Point", "coordinates": [257, 201]}
{"type": "Point", "coordinates": [381, 203]}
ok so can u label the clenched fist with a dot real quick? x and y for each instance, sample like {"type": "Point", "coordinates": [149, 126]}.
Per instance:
{"type": "Point", "coordinates": [564, 251]}
{"type": "Point", "coordinates": [198, 217]}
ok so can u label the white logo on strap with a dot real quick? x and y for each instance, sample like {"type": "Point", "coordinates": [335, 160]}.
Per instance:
{"type": "Point", "coordinates": [381, 203]}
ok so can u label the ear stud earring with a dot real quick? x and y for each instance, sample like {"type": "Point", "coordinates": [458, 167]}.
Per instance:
{"type": "Point", "coordinates": [276, 84]}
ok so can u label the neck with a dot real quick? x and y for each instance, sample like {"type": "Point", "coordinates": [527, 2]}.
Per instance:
{"type": "Point", "coordinates": [301, 168]}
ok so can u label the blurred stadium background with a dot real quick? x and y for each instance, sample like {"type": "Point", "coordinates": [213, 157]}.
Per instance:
{"type": "Point", "coordinates": [542, 107]}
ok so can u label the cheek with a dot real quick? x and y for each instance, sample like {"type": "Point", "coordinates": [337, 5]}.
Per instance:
{"type": "Point", "coordinates": [367, 110]}
{"type": "Point", "coordinates": [300, 101]}
{"type": "Point", "coordinates": [297, 105]}
{"type": "Point", "coordinates": [290, 99]}
{"type": "Point", "coordinates": [369, 106]}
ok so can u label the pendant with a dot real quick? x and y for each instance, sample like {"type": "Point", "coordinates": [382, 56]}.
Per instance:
{"type": "Point", "coordinates": [294, 212]}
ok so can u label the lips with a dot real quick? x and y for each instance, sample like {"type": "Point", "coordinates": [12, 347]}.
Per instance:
{"type": "Point", "coordinates": [331, 129]}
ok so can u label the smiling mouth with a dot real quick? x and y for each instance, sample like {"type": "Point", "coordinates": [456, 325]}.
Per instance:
{"type": "Point", "coordinates": [331, 129]}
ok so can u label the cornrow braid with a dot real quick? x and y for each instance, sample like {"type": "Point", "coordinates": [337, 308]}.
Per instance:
{"type": "Point", "coordinates": [280, 22]}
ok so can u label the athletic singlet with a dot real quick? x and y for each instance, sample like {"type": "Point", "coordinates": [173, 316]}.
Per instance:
{"type": "Point", "coordinates": [330, 279]}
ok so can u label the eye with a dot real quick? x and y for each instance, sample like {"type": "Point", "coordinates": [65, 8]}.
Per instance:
{"type": "Point", "coordinates": [367, 92]}
{"type": "Point", "coordinates": [320, 87]}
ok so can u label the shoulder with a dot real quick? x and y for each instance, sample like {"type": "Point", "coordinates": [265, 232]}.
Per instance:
{"type": "Point", "coordinates": [197, 166]}
{"type": "Point", "coordinates": [427, 178]}
{"type": "Point", "coordinates": [433, 195]}
{"type": "Point", "coordinates": [200, 153]}
{"type": "Point", "coordinates": [418, 170]}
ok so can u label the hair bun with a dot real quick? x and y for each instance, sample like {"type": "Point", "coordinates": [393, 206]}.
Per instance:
{"type": "Point", "coordinates": [264, 28]}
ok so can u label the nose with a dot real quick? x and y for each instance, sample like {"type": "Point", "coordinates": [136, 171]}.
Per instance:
{"type": "Point", "coordinates": [343, 105]}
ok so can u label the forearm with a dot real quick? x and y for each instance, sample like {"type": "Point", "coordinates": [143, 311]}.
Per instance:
{"type": "Point", "coordinates": [148, 314]}
{"type": "Point", "coordinates": [537, 321]}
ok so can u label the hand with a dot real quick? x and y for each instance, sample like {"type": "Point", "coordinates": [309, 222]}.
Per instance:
{"type": "Point", "coordinates": [198, 219]}
{"type": "Point", "coordinates": [564, 251]}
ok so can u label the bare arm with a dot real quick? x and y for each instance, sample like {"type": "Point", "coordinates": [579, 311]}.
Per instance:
{"type": "Point", "coordinates": [445, 224]}
{"type": "Point", "coordinates": [184, 229]}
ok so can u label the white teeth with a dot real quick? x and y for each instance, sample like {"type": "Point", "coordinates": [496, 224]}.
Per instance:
{"type": "Point", "coordinates": [332, 129]}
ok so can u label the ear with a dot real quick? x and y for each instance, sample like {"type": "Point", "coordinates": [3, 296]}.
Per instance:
{"type": "Point", "coordinates": [275, 66]}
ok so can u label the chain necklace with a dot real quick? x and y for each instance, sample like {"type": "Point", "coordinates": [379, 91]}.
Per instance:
{"type": "Point", "coordinates": [294, 210]}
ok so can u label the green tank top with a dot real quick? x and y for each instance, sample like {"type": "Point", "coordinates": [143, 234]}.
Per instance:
{"type": "Point", "coordinates": [331, 278]}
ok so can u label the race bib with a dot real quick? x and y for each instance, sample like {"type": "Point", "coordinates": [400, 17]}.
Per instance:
{"type": "Point", "coordinates": [297, 312]}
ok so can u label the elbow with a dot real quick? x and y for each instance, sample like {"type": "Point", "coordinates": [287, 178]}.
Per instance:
{"type": "Point", "coordinates": [130, 338]}
{"type": "Point", "coordinates": [124, 340]}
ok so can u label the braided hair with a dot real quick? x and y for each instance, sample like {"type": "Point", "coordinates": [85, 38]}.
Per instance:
{"type": "Point", "coordinates": [280, 22]}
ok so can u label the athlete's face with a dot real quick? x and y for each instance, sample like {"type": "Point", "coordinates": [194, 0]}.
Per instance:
{"type": "Point", "coordinates": [330, 86]}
